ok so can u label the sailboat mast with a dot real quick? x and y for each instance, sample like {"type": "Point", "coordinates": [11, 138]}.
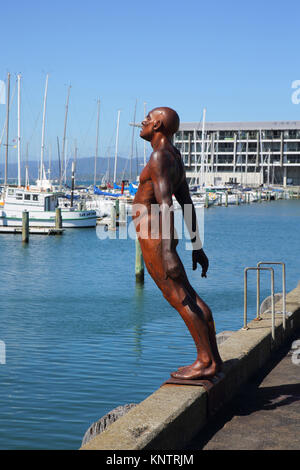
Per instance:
{"type": "Point", "coordinates": [132, 141]}
{"type": "Point", "coordinates": [19, 130]}
{"type": "Point", "coordinates": [59, 163]}
{"type": "Point", "coordinates": [43, 129]}
{"type": "Point", "coordinates": [117, 143]}
{"type": "Point", "coordinates": [97, 139]}
{"type": "Point", "coordinates": [26, 167]}
{"type": "Point", "coordinates": [65, 130]}
{"type": "Point", "coordinates": [108, 165]}
{"type": "Point", "coordinates": [65, 162]}
{"type": "Point", "coordinates": [7, 128]}
{"type": "Point", "coordinates": [202, 147]}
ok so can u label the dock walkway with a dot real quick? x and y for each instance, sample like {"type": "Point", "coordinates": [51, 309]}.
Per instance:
{"type": "Point", "coordinates": [33, 230]}
{"type": "Point", "coordinates": [265, 415]}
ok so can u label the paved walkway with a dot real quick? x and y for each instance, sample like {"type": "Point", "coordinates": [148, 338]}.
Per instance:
{"type": "Point", "coordinates": [265, 415]}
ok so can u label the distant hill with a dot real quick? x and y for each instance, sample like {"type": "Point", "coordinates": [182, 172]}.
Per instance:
{"type": "Point", "coordinates": [84, 169]}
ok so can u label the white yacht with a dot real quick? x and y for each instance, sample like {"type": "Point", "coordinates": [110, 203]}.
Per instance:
{"type": "Point", "coordinates": [41, 206]}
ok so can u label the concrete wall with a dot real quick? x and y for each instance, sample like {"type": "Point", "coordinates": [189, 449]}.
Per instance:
{"type": "Point", "coordinates": [174, 414]}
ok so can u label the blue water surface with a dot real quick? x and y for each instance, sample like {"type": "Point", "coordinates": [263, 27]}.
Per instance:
{"type": "Point", "coordinates": [82, 338]}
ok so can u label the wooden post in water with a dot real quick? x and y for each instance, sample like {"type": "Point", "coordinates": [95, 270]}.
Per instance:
{"type": "Point", "coordinates": [117, 207]}
{"type": "Point", "coordinates": [122, 215]}
{"type": "Point", "coordinates": [139, 262]}
{"type": "Point", "coordinates": [25, 226]}
{"type": "Point", "coordinates": [58, 218]}
{"type": "Point", "coordinates": [226, 199]}
{"type": "Point", "coordinates": [113, 223]}
{"type": "Point", "coordinates": [206, 200]}
{"type": "Point", "coordinates": [237, 199]}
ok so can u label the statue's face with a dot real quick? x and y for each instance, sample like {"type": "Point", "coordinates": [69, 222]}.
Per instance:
{"type": "Point", "coordinates": [151, 122]}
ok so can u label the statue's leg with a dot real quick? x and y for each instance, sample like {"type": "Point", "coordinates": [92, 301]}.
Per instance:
{"type": "Point", "coordinates": [209, 322]}
{"type": "Point", "coordinates": [178, 295]}
{"type": "Point", "coordinates": [205, 365]}
{"type": "Point", "coordinates": [207, 314]}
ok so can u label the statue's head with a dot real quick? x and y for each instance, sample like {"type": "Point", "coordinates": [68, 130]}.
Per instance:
{"type": "Point", "coordinates": [164, 120]}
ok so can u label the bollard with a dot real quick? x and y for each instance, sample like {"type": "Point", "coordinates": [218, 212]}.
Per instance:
{"type": "Point", "coordinates": [25, 226]}
{"type": "Point", "coordinates": [113, 224]}
{"type": "Point", "coordinates": [58, 218]}
{"type": "Point", "coordinates": [139, 262]}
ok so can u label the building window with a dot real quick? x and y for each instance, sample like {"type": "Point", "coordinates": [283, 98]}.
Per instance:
{"type": "Point", "coordinates": [252, 134]}
{"type": "Point", "coordinates": [226, 135]}
{"type": "Point", "coordinates": [186, 135]}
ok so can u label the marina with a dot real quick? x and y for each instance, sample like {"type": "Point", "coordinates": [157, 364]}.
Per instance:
{"type": "Point", "coordinates": [76, 324]}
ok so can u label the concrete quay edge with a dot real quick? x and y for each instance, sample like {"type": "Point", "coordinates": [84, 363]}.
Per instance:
{"type": "Point", "coordinates": [170, 417]}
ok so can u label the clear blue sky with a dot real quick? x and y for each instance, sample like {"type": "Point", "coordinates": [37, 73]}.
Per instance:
{"type": "Point", "coordinates": [237, 59]}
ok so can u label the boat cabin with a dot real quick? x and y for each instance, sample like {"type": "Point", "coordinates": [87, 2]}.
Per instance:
{"type": "Point", "coordinates": [30, 200]}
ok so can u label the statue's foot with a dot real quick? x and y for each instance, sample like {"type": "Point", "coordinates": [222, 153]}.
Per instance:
{"type": "Point", "coordinates": [219, 365]}
{"type": "Point", "coordinates": [196, 371]}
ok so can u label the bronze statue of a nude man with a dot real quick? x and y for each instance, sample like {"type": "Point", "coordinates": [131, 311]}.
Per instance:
{"type": "Point", "coordinates": [163, 176]}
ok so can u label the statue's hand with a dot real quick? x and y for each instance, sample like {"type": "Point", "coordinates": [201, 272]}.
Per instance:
{"type": "Point", "coordinates": [200, 257]}
{"type": "Point", "coordinates": [172, 266]}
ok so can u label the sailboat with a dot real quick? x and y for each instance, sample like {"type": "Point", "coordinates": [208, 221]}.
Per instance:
{"type": "Point", "coordinates": [42, 199]}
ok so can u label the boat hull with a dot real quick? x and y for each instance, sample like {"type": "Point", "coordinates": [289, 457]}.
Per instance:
{"type": "Point", "coordinates": [70, 219]}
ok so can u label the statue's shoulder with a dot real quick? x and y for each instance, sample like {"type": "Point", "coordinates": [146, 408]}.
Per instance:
{"type": "Point", "coordinates": [161, 157]}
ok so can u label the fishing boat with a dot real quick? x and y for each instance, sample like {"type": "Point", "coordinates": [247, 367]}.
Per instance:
{"type": "Point", "coordinates": [41, 206]}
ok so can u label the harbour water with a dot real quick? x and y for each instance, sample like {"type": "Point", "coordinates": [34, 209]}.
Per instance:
{"type": "Point", "coordinates": [81, 338]}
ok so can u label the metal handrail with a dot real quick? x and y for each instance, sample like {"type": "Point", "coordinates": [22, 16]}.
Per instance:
{"type": "Point", "coordinates": [245, 327]}
{"type": "Point", "coordinates": [283, 290]}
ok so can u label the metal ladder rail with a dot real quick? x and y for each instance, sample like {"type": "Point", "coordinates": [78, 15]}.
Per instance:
{"type": "Point", "coordinates": [283, 290]}
{"type": "Point", "coordinates": [271, 270]}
